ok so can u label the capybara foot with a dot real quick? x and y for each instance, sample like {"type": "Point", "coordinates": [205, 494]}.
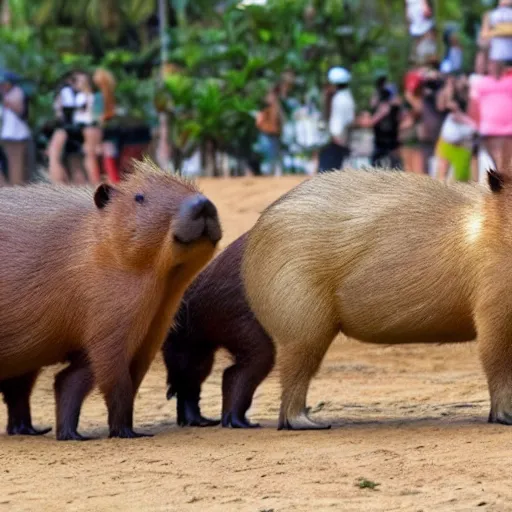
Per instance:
{"type": "Point", "coordinates": [301, 422]}
{"type": "Point", "coordinates": [26, 430]}
{"type": "Point", "coordinates": [189, 415]}
{"type": "Point", "coordinates": [198, 421]}
{"type": "Point", "coordinates": [127, 433]}
{"type": "Point", "coordinates": [72, 435]}
{"type": "Point", "coordinates": [502, 418]}
{"type": "Point", "coordinates": [232, 420]}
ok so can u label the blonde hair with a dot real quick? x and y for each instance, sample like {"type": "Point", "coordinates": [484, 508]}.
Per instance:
{"type": "Point", "coordinates": [106, 83]}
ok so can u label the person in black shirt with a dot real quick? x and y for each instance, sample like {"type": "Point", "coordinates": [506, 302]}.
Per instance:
{"type": "Point", "coordinates": [385, 121]}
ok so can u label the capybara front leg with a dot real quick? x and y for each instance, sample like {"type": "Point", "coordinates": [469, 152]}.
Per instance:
{"type": "Point", "coordinates": [114, 380]}
{"type": "Point", "coordinates": [496, 356]}
{"type": "Point", "coordinates": [240, 381]}
{"type": "Point", "coordinates": [188, 389]}
{"type": "Point", "coordinates": [72, 385]}
{"type": "Point", "coordinates": [299, 363]}
{"type": "Point", "coordinates": [17, 393]}
{"type": "Point", "coordinates": [119, 395]}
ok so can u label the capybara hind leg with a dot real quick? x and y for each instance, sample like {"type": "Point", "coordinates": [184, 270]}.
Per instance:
{"type": "Point", "coordinates": [17, 393]}
{"type": "Point", "coordinates": [71, 387]}
{"type": "Point", "coordinates": [298, 364]}
{"type": "Point", "coordinates": [496, 356]}
{"type": "Point", "coordinates": [240, 381]}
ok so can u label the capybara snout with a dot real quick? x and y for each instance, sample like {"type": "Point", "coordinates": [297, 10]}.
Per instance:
{"type": "Point", "coordinates": [197, 219]}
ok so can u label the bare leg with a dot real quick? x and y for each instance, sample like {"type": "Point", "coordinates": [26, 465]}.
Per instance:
{"type": "Point", "coordinates": [240, 381]}
{"type": "Point", "coordinates": [56, 170]}
{"type": "Point", "coordinates": [443, 166]}
{"type": "Point", "coordinates": [72, 385]}
{"type": "Point", "coordinates": [92, 143]}
{"type": "Point", "coordinates": [299, 363]}
{"type": "Point", "coordinates": [16, 154]}
{"type": "Point", "coordinates": [17, 393]}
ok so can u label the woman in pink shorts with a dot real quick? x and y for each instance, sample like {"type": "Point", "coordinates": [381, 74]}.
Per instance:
{"type": "Point", "coordinates": [491, 108]}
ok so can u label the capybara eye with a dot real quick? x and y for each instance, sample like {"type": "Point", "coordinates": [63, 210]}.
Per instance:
{"type": "Point", "coordinates": [139, 198]}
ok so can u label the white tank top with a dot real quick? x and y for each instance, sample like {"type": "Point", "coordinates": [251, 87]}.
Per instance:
{"type": "Point", "coordinates": [12, 126]}
{"type": "Point", "coordinates": [501, 47]}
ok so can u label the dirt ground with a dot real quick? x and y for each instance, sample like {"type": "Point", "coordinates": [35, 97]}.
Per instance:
{"type": "Point", "coordinates": [411, 419]}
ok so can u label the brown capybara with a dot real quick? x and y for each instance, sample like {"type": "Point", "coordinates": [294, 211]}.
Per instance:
{"type": "Point", "coordinates": [383, 257]}
{"type": "Point", "coordinates": [94, 278]}
{"type": "Point", "coordinates": [214, 314]}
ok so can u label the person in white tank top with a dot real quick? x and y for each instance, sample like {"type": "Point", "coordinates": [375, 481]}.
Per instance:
{"type": "Point", "coordinates": [497, 32]}
{"type": "Point", "coordinates": [15, 134]}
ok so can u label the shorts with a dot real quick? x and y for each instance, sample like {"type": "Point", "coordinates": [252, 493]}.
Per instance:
{"type": "Point", "coordinates": [458, 156]}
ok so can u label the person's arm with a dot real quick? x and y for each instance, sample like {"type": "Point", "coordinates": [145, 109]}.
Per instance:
{"type": "Point", "coordinates": [461, 117]}
{"type": "Point", "coordinates": [368, 121]}
{"type": "Point", "coordinates": [414, 101]}
{"type": "Point", "coordinates": [427, 11]}
{"type": "Point", "coordinates": [485, 30]}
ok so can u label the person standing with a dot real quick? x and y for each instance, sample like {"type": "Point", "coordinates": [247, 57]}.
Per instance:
{"type": "Point", "coordinates": [341, 116]}
{"type": "Point", "coordinates": [15, 135]}
{"type": "Point", "coordinates": [269, 122]}
{"type": "Point", "coordinates": [496, 33]}
{"type": "Point", "coordinates": [385, 122]}
{"type": "Point", "coordinates": [490, 108]}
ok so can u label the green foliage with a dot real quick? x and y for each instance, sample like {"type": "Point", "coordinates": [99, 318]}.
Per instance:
{"type": "Point", "coordinates": [229, 56]}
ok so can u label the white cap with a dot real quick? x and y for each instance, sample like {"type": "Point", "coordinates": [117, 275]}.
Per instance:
{"type": "Point", "coordinates": [446, 67]}
{"type": "Point", "coordinates": [339, 76]}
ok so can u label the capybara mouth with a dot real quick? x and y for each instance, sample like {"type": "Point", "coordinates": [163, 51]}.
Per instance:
{"type": "Point", "coordinates": [197, 220]}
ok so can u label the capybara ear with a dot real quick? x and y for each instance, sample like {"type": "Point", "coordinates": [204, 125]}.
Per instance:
{"type": "Point", "coordinates": [496, 180]}
{"type": "Point", "coordinates": [103, 195]}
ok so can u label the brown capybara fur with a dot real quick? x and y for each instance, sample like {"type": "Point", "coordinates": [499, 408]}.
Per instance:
{"type": "Point", "coordinates": [214, 314]}
{"type": "Point", "coordinates": [383, 257]}
{"type": "Point", "coordinates": [94, 278]}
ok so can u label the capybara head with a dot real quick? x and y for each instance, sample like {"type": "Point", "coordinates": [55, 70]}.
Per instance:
{"type": "Point", "coordinates": [155, 219]}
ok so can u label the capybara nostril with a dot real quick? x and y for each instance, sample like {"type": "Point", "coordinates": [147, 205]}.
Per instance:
{"type": "Point", "coordinates": [199, 206]}
{"type": "Point", "coordinates": [197, 218]}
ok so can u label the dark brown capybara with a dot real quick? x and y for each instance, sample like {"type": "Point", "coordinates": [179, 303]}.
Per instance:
{"type": "Point", "coordinates": [213, 314]}
{"type": "Point", "coordinates": [383, 257]}
{"type": "Point", "coordinates": [94, 278]}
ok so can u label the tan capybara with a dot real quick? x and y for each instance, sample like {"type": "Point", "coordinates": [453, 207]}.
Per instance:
{"type": "Point", "coordinates": [383, 257]}
{"type": "Point", "coordinates": [94, 278]}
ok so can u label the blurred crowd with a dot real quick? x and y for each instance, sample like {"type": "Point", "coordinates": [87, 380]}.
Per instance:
{"type": "Point", "coordinates": [85, 143]}
{"type": "Point", "coordinates": [441, 120]}
{"type": "Point", "coordinates": [446, 122]}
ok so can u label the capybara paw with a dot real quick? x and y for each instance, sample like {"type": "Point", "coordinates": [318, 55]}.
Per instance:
{"type": "Point", "coordinates": [301, 422]}
{"type": "Point", "coordinates": [234, 421]}
{"type": "Point", "coordinates": [72, 435]}
{"type": "Point", "coordinates": [27, 430]}
{"type": "Point", "coordinates": [502, 418]}
{"type": "Point", "coordinates": [127, 433]}
{"type": "Point", "coordinates": [199, 421]}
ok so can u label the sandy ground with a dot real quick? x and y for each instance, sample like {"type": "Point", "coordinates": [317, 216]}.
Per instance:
{"type": "Point", "coordinates": [410, 419]}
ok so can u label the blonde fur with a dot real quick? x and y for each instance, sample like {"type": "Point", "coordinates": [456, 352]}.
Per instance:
{"type": "Point", "coordinates": [384, 257]}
